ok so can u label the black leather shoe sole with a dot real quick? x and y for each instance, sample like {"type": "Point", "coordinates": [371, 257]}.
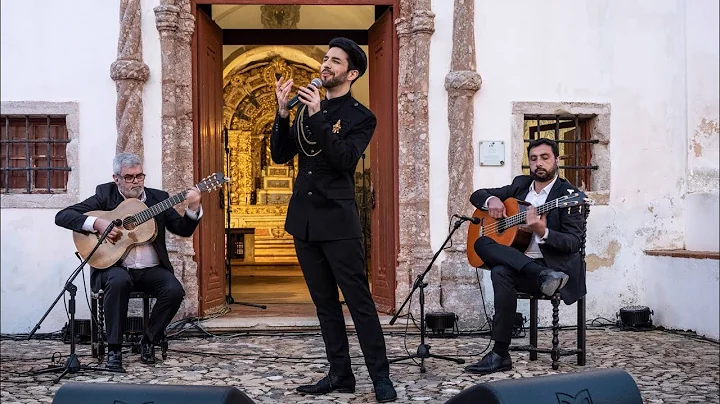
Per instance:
{"type": "Point", "coordinates": [386, 399]}
{"type": "Point", "coordinates": [319, 393]}
{"type": "Point", "coordinates": [553, 284]}
{"type": "Point", "coordinates": [476, 371]}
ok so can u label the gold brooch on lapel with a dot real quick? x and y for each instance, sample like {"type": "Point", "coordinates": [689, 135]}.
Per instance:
{"type": "Point", "coordinates": [336, 127]}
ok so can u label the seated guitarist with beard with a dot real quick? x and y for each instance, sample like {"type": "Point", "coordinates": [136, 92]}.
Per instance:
{"type": "Point", "coordinates": [552, 261]}
{"type": "Point", "coordinates": [146, 267]}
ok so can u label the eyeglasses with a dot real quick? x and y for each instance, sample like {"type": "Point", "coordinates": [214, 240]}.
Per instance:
{"type": "Point", "coordinates": [131, 178]}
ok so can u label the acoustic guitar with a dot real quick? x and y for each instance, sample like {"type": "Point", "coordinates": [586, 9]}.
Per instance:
{"type": "Point", "coordinates": [137, 226]}
{"type": "Point", "coordinates": [509, 230]}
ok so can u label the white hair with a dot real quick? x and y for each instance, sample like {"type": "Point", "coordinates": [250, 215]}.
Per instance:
{"type": "Point", "coordinates": [126, 160]}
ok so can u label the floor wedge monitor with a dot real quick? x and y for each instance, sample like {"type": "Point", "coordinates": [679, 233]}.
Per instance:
{"type": "Point", "coordinates": [604, 386]}
{"type": "Point", "coordinates": [120, 393]}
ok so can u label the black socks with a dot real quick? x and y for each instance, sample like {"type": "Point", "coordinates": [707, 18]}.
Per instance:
{"type": "Point", "coordinates": [502, 349]}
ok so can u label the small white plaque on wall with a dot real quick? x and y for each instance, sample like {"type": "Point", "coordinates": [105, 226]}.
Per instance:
{"type": "Point", "coordinates": [492, 153]}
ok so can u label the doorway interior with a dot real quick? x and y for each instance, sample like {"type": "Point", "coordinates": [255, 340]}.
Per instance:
{"type": "Point", "coordinates": [258, 44]}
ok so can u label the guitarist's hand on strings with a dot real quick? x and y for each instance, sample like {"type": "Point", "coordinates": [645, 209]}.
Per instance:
{"type": "Point", "coordinates": [535, 222]}
{"type": "Point", "coordinates": [496, 208]}
{"type": "Point", "coordinates": [101, 224]}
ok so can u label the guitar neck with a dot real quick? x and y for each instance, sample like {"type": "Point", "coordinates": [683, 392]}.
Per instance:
{"type": "Point", "coordinates": [521, 217]}
{"type": "Point", "coordinates": [158, 208]}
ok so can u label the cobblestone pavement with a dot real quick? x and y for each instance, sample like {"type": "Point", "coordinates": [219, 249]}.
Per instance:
{"type": "Point", "coordinates": [668, 368]}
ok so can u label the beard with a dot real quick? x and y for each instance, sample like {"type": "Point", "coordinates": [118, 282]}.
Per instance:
{"type": "Point", "coordinates": [132, 191]}
{"type": "Point", "coordinates": [335, 80]}
{"type": "Point", "coordinates": [543, 175]}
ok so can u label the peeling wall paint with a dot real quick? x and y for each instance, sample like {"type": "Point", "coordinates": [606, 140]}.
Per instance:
{"type": "Point", "coordinates": [604, 260]}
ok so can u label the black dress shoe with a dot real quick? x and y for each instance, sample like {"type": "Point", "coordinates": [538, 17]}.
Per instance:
{"type": "Point", "coordinates": [551, 281]}
{"type": "Point", "coordinates": [114, 360]}
{"type": "Point", "coordinates": [147, 353]}
{"type": "Point", "coordinates": [328, 384]}
{"type": "Point", "coordinates": [490, 363]}
{"type": "Point", "coordinates": [384, 390]}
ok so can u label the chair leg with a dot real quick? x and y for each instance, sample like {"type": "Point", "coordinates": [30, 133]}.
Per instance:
{"type": "Point", "coordinates": [101, 325]}
{"type": "Point", "coordinates": [581, 328]}
{"type": "Point", "coordinates": [533, 328]}
{"type": "Point", "coordinates": [93, 326]}
{"type": "Point", "coordinates": [555, 352]}
{"type": "Point", "coordinates": [146, 314]}
{"type": "Point", "coordinates": [164, 347]}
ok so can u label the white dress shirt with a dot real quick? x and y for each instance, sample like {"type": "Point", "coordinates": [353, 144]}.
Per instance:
{"type": "Point", "coordinates": [535, 199]}
{"type": "Point", "coordinates": [142, 255]}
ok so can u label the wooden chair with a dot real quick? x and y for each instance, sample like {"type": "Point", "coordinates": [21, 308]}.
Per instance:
{"type": "Point", "coordinates": [97, 325]}
{"type": "Point", "coordinates": [555, 352]}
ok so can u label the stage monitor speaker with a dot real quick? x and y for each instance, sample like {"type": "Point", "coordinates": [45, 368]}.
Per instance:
{"type": "Point", "coordinates": [605, 386]}
{"type": "Point", "coordinates": [120, 393]}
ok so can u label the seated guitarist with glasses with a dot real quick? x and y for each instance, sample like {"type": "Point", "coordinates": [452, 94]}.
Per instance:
{"type": "Point", "coordinates": [552, 261]}
{"type": "Point", "coordinates": [146, 267]}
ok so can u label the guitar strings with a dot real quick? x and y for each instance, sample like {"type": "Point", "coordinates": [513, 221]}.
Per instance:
{"type": "Point", "coordinates": [519, 218]}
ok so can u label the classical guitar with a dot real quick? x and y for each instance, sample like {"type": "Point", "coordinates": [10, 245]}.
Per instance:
{"type": "Point", "coordinates": [508, 231]}
{"type": "Point", "coordinates": [137, 226]}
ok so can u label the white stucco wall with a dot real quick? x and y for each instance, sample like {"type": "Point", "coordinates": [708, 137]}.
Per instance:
{"type": "Point", "coordinates": [65, 56]}
{"type": "Point", "coordinates": [631, 55]}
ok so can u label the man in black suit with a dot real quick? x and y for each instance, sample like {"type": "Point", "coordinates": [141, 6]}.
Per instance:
{"type": "Point", "coordinates": [552, 262]}
{"type": "Point", "coordinates": [329, 136]}
{"type": "Point", "coordinates": [145, 267]}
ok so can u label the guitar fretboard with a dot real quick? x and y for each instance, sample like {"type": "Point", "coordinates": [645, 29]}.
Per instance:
{"type": "Point", "coordinates": [149, 213]}
{"type": "Point", "coordinates": [521, 217]}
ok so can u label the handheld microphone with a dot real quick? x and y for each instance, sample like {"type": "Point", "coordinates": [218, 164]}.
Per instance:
{"type": "Point", "coordinates": [316, 82]}
{"type": "Point", "coordinates": [473, 220]}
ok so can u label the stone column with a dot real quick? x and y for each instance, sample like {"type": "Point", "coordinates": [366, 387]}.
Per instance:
{"type": "Point", "coordinates": [176, 24]}
{"type": "Point", "coordinates": [414, 29]}
{"type": "Point", "coordinates": [460, 288]}
{"type": "Point", "coordinates": [130, 75]}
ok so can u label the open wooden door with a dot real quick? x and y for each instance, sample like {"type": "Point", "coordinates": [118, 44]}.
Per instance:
{"type": "Point", "coordinates": [383, 158]}
{"type": "Point", "coordinates": [210, 243]}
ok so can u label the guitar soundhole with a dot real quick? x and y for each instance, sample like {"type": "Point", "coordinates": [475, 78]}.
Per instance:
{"type": "Point", "coordinates": [130, 223]}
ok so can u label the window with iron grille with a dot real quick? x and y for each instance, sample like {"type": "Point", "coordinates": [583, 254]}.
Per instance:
{"type": "Point", "coordinates": [33, 154]}
{"type": "Point", "coordinates": [572, 133]}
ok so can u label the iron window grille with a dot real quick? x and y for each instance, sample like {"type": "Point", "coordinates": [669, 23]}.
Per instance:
{"type": "Point", "coordinates": [33, 157]}
{"type": "Point", "coordinates": [572, 133]}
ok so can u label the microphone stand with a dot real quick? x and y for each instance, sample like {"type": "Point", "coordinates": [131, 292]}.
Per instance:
{"type": "Point", "coordinates": [72, 364]}
{"type": "Point", "coordinates": [423, 350]}
{"type": "Point", "coordinates": [228, 267]}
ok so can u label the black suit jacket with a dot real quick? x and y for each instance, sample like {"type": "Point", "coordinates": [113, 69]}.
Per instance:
{"type": "Point", "coordinates": [322, 206]}
{"type": "Point", "coordinates": [107, 197]}
{"type": "Point", "coordinates": [561, 249]}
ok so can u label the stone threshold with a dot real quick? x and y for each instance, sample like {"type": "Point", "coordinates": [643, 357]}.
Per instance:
{"type": "Point", "coordinates": [684, 254]}
{"type": "Point", "coordinates": [281, 324]}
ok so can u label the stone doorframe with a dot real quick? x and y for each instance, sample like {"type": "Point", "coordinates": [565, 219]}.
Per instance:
{"type": "Point", "coordinates": [415, 25]}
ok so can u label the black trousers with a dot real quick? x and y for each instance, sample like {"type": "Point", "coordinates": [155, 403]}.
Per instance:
{"type": "Point", "coordinates": [327, 265]}
{"type": "Point", "coordinates": [508, 278]}
{"type": "Point", "coordinates": [118, 282]}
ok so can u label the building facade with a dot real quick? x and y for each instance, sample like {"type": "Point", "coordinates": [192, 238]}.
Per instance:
{"type": "Point", "coordinates": [638, 81]}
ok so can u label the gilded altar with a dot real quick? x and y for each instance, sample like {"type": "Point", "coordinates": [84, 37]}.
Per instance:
{"type": "Point", "coordinates": [260, 189]}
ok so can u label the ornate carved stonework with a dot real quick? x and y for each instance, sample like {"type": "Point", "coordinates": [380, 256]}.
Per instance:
{"type": "Point", "coordinates": [130, 75]}
{"type": "Point", "coordinates": [414, 28]}
{"type": "Point", "coordinates": [460, 288]}
{"type": "Point", "coordinates": [277, 16]}
{"type": "Point", "coordinates": [176, 25]}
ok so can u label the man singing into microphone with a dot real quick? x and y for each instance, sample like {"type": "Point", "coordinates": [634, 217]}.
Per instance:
{"type": "Point", "coordinates": [329, 136]}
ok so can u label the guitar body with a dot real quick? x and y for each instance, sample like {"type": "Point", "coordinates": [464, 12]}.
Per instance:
{"type": "Point", "coordinates": [108, 254]}
{"type": "Point", "coordinates": [518, 237]}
